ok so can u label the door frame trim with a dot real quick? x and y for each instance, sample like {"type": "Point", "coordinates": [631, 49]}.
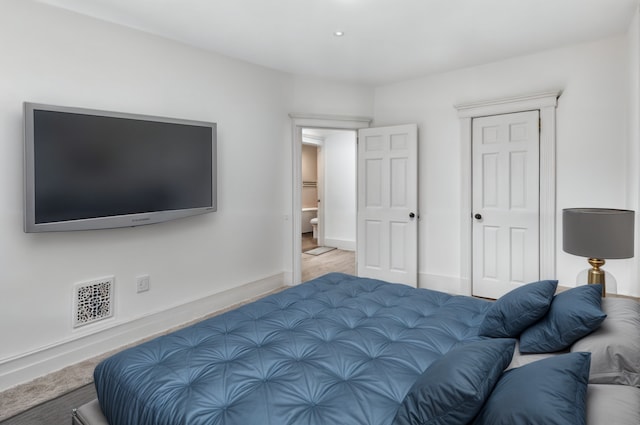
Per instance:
{"type": "Point", "coordinates": [298, 122]}
{"type": "Point", "coordinates": [546, 103]}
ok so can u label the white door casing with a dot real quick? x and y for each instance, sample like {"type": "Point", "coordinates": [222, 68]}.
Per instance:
{"type": "Point", "coordinates": [505, 202]}
{"type": "Point", "coordinates": [387, 238]}
{"type": "Point", "coordinates": [546, 103]}
{"type": "Point", "coordinates": [320, 188]}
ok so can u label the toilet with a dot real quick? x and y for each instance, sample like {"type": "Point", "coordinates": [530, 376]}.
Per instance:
{"type": "Point", "coordinates": [314, 226]}
{"type": "Point", "coordinates": [307, 215]}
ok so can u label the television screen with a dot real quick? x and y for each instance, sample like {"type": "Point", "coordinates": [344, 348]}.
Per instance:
{"type": "Point", "coordinates": [88, 169]}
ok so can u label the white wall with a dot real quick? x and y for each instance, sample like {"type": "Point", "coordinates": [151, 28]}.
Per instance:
{"type": "Point", "coordinates": [53, 56]}
{"type": "Point", "coordinates": [340, 190]}
{"type": "Point", "coordinates": [58, 57]}
{"type": "Point", "coordinates": [633, 157]}
{"type": "Point", "coordinates": [592, 127]}
{"type": "Point", "coordinates": [317, 96]}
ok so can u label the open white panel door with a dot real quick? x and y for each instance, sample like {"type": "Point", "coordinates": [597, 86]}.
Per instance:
{"type": "Point", "coordinates": [387, 242]}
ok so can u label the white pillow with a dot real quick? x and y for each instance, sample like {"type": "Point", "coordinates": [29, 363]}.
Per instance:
{"type": "Point", "coordinates": [615, 346]}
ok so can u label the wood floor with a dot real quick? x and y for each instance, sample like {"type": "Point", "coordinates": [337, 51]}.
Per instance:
{"type": "Point", "coordinates": [337, 260]}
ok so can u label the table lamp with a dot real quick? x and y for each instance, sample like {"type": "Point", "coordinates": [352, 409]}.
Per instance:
{"type": "Point", "coordinates": [598, 234]}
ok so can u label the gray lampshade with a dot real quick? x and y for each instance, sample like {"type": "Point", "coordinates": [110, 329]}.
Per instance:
{"type": "Point", "coordinates": [598, 232]}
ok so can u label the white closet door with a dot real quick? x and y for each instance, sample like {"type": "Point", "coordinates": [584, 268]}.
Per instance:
{"type": "Point", "coordinates": [505, 172]}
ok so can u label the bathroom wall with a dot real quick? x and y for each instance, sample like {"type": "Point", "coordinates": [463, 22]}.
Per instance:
{"type": "Point", "coordinates": [309, 176]}
{"type": "Point", "coordinates": [340, 190]}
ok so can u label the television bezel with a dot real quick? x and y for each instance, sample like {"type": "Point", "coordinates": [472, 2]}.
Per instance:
{"type": "Point", "coordinates": [114, 221]}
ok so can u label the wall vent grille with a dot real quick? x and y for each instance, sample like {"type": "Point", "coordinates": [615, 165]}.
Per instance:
{"type": "Point", "coordinates": [93, 301]}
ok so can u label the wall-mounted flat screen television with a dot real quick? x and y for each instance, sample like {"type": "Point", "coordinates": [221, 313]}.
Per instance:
{"type": "Point", "coordinates": [88, 169]}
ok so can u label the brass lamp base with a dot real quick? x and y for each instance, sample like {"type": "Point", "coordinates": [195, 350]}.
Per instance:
{"type": "Point", "coordinates": [596, 275]}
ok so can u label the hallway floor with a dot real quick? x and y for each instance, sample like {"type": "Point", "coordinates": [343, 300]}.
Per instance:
{"type": "Point", "coordinates": [337, 260]}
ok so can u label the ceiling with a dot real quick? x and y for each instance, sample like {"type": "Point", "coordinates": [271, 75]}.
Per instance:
{"type": "Point", "coordinates": [384, 40]}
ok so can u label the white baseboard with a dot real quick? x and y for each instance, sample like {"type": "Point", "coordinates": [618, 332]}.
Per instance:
{"type": "Point", "coordinates": [287, 277]}
{"type": "Point", "coordinates": [340, 244]}
{"type": "Point", "coordinates": [448, 284]}
{"type": "Point", "coordinates": [28, 366]}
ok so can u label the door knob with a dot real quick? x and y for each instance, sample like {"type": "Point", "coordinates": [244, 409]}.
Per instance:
{"type": "Point", "coordinates": [478, 217]}
{"type": "Point", "coordinates": [411, 215]}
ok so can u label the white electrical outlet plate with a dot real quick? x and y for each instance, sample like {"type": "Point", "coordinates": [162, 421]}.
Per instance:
{"type": "Point", "coordinates": [142, 283]}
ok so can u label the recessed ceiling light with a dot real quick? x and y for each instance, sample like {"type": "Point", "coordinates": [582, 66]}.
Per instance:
{"type": "Point", "coordinates": [338, 33]}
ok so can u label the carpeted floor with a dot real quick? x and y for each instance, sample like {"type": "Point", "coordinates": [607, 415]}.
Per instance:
{"type": "Point", "coordinates": [46, 388]}
{"type": "Point", "coordinates": [54, 412]}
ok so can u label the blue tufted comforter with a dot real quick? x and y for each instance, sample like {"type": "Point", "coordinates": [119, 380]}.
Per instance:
{"type": "Point", "coordinates": [335, 350]}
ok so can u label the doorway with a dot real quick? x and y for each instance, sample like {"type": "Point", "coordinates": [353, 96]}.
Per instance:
{"type": "Point", "coordinates": [328, 200]}
{"type": "Point", "coordinates": [300, 121]}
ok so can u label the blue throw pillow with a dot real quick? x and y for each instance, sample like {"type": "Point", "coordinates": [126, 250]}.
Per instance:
{"type": "Point", "coordinates": [453, 388]}
{"type": "Point", "coordinates": [573, 314]}
{"type": "Point", "coordinates": [551, 391]}
{"type": "Point", "coordinates": [518, 309]}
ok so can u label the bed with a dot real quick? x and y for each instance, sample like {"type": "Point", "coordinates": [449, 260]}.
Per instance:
{"type": "Point", "coordinates": [346, 350]}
